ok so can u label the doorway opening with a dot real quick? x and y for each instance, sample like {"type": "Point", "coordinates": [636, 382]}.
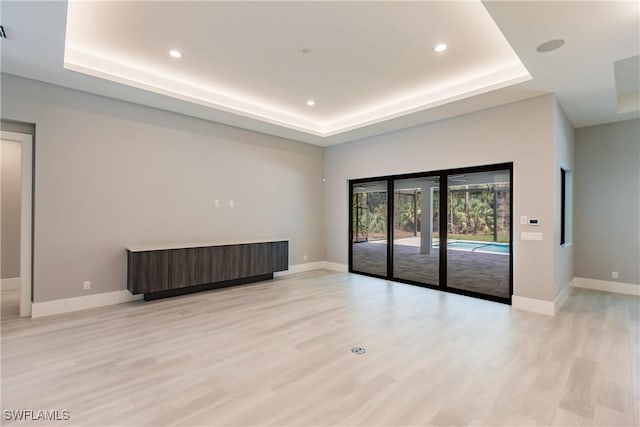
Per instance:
{"type": "Point", "coordinates": [16, 156]}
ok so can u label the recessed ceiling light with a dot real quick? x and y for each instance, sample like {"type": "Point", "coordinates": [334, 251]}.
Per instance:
{"type": "Point", "coordinates": [440, 47]}
{"type": "Point", "coordinates": [175, 53]}
{"type": "Point", "coordinates": [311, 103]}
{"type": "Point", "coordinates": [550, 45]}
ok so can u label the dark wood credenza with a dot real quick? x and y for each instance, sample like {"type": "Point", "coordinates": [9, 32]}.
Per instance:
{"type": "Point", "coordinates": [160, 271]}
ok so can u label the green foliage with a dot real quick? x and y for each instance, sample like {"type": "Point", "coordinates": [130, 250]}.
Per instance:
{"type": "Point", "coordinates": [471, 212]}
{"type": "Point", "coordinates": [470, 216]}
{"type": "Point", "coordinates": [407, 212]}
{"type": "Point", "coordinates": [369, 212]}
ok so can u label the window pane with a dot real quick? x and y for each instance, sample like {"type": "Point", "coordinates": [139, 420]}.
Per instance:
{"type": "Point", "coordinates": [415, 230]}
{"type": "Point", "coordinates": [478, 238]}
{"type": "Point", "coordinates": [369, 224]}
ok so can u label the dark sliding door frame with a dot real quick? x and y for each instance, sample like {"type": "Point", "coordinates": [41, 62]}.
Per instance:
{"type": "Point", "coordinates": [443, 176]}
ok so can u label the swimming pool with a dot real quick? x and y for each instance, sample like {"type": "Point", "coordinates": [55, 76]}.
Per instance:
{"type": "Point", "coordinates": [474, 246]}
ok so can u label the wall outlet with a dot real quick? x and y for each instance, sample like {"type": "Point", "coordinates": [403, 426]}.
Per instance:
{"type": "Point", "coordinates": [216, 202]}
{"type": "Point", "coordinates": [614, 274]}
{"type": "Point", "coordinates": [231, 203]}
{"type": "Point", "coordinates": [523, 220]}
{"type": "Point", "coordinates": [86, 285]}
{"type": "Point", "coordinates": [305, 257]}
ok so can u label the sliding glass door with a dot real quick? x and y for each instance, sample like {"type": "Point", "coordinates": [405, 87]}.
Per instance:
{"type": "Point", "coordinates": [369, 228]}
{"type": "Point", "coordinates": [450, 230]}
{"type": "Point", "coordinates": [415, 230]}
{"type": "Point", "coordinates": [479, 232]}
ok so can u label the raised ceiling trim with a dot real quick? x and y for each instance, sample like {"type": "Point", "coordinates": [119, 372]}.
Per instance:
{"type": "Point", "coordinates": [110, 69]}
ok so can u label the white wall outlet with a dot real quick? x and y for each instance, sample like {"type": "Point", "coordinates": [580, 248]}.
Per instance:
{"type": "Point", "coordinates": [231, 203]}
{"type": "Point", "coordinates": [305, 257]}
{"type": "Point", "coordinates": [523, 220]}
{"type": "Point", "coordinates": [216, 202]}
{"type": "Point", "coordinates": [86, 285]}
{"type": "Point", "coordinates": [614, 274]}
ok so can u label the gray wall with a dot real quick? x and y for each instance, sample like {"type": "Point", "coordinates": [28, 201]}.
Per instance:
{"type": "Point", "coordinates": [607, 201]}
{"type": "Point", "coordinates": [521, 132]}
{"type": "Point", "coordinates": [110, 174]}
{"type": "Point", "coordinates": [11, 199]}
{"type": "Point", "coordinates": [563, 143]}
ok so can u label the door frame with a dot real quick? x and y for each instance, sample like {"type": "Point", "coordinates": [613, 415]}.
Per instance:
{"type": "Point", "coordinates": [443, 175]}
{"type": "Point", "coordinates": [26, 218]}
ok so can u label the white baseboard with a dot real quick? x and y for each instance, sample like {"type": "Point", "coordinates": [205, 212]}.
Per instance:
{"type": "Point", "coordinates": [605, 285]}
{"type": "Point", "coordinates": [300, 268]}
{"type": "Point", "coordinates": [342, 268]}
{"type": "Point", "coordinates": [319, 265]}
{"type": "Point", "coordinates": [550, 308]}
{"type": "Point", "coordinates": [12, 284]}
{"type": "Point", "coordinates": [534, 305]}
{"type": "Point", "coordinates": [563, 296]}
{"type": "Point", "coordinates": [49, 308]}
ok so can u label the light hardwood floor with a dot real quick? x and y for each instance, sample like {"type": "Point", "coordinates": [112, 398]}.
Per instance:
{"type": "Point", "coordinates": [9, 304]}
{"type": "Point", "coordinates": [278, 353]}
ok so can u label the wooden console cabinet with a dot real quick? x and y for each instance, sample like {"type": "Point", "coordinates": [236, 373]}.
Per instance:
{"type": "Point", "coordinates": [166, 270]}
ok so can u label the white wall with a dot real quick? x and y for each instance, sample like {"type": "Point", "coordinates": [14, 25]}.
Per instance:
{"type": "Point", "coordinates": [563, 142]}
{"type": "Point", "coordinates": [110, 174]}
{"type": "Point", "coordinates": [10, 179]}
{"type": "Point", "coordinates": [522, 133]}
{"type": "Point", "coordinates": [607, 202]}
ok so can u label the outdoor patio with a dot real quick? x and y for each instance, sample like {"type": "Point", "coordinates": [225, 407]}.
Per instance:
{"type": "Point", "coordinates": [485, 273]}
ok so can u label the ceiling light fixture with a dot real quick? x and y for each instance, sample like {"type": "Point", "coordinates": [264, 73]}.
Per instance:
{"type": "Point", "coordinates": [550, 45]}
{"type": "Point", "coordinates": [311, 103]}
{"type": "Point", "coordinates": [440, 47]}
{"type": "Point", "coordinates": [175, 53]}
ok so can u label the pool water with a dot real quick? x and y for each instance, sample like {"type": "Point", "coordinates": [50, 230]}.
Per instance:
{"type": "Point", "coordinates": [471, 246]}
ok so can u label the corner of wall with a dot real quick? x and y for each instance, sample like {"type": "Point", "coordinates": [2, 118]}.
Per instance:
{"type": "Point", "coordinates": [564, 154]}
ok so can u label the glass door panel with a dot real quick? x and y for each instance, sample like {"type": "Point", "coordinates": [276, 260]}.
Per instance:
{"type": "Point", "coordinates": [369, 228]}
{"type": "Point", "coordinates": [415, 230]}
{"type": "Point", "coordinates": [478, 232]}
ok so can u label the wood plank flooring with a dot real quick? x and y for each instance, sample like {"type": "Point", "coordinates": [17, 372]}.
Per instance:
{"type": "Point", "coordinates": [278, 353]}
{"type": "Point", "coordinates": [9, 304]}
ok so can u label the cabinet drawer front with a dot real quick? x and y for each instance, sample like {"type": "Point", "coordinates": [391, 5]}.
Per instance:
{"type": "Point", "coordinates": [147, 271]}
{"type": "Point", "coordinates": [280, 256]}
{"type": "Point", "coordinates": [188, 267]}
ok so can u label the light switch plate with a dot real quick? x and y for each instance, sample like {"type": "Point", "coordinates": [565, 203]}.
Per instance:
{"type": "Point", "coordinates": [523, 220]}
{"type": "Point", "coordinates": [526, 235]}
